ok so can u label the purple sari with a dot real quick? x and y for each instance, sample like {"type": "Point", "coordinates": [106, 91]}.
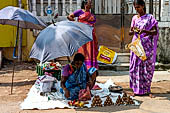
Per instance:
{"type": "Point", "coordinates": [141, 72]}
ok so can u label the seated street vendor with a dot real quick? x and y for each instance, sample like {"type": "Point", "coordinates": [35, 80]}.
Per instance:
{"type": "Point", "coordinates": [75, 77]}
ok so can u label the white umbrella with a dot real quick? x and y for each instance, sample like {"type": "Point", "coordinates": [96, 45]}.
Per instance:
{"type": "Point", "coordinates": [22, 19]}
{"type": "Point", "coordinates": [62, 39]}
{"type": "Point", "coordinates": [12, 15]}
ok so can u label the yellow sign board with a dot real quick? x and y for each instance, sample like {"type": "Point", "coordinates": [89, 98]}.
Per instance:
{"type": "Point", "coordinates": [106, 55]}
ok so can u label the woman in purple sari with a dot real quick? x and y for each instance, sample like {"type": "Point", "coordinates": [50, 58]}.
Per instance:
{"type": "Point", "coordinates": [141, 72]}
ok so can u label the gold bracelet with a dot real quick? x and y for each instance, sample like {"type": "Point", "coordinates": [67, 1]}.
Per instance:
{"type": "Point", "coordinates": [64, 88]}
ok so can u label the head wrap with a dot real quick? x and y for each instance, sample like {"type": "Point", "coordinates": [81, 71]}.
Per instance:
{"type": "Point", "coordinates": [92, 70]}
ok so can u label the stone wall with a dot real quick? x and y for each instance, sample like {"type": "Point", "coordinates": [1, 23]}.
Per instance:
{"type": "Point", "coordinates": [163, 51]}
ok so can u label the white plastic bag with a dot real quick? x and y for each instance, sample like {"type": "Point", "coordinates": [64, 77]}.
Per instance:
{"type": "Point", "coordinates": [137, 48]}
{"type": "Point", "coordinates": [46, 86]}
{"type": "Point", "coordinates": [46, 83]}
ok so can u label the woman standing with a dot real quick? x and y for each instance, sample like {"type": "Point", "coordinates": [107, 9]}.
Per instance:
{"type": "Point", "coordinates": [90, 49]}
{"type": "Point", "coordinates": [141, 72]}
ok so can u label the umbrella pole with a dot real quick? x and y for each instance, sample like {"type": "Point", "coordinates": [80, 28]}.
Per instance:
{"type": "Point", "coordinates": [12, 76]}
{"type": "Point", "coordinates": [14, 59]}
{"type": "Point", "coordinates": [53, 22]}
{"type": "Point", "coordinates": [68, 58]}
{"type": "Point", "coordinates": [20, 45]}
{"type": "Point", "coordinates": [14, 52]}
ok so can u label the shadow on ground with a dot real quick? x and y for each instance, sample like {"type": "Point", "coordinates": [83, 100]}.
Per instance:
{"type": "Point", "coordinates": [164, 95]}
{"type": "Point", "coordinates": [158, 92]}
{"type": "Point", "coordinates": [23, 83]}
{"type": "Point", "coordinates": [110, 108]}
{"type": "Point", "coordinates": [8, 68]}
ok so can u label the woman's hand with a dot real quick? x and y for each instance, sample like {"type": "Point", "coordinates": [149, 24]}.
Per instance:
{"type": "Point", "coordinates": [91, 18]}
{"type": "Point", "coordinates": [143, 31]}
{"type": "Point", "coordinates": [63, 81]}
{"type": "Point", "coordinates": [67, 93]}
{"type": "Point", "coordinates": [71, 17]}
{"type": "Point", "coordinates": [152, 32]}
{"type": "Point", "coordinates": [90, 83]}
{"type": "Point", "coordinates": [132, 31]}
{"type": "Point", "coordinates": [85, 16]}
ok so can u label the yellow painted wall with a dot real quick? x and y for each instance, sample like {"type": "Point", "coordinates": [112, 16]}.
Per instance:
{"type": "Point", "coordinates": [6, 31]}
{"type": "Point", "coordinates": [8, 34]}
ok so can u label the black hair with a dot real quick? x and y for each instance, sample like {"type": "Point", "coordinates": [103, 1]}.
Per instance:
{"type": "Point", "coordinates": [140, 2]}
{"type": "Point", "coordinates": [78, 57]}
{"type": "Point", "coordinates": [84, 2]}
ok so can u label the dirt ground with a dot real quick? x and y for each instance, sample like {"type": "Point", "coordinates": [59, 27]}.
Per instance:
{"type": "Point", "coordinates": [25, 77]}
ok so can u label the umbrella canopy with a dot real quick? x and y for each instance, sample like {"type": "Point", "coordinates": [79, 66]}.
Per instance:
{"type": "Point", "coordinates": [22, 19]}
{"type": "Point", "coordinates": [59, 40]}
{"type": "Point", "coordinates": [11, 15]}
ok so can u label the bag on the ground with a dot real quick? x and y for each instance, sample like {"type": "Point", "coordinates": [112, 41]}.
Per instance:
{"type": "Point", "coordinates": [84, 94]}
{"type": "Point", "coordinates": [46, 83]}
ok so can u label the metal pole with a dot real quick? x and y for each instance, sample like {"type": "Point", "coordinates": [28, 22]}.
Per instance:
{"type": "Point", "coordinates": [159, 10]}
{"type": "Point", "coordinates": [93, 7]}
{"type": "Point", "coordinates": [20, 3]}
{"type": "Point", "coordinates": [13, 75]}
{"type": "Point", "coordinates": [155, 9]}
{"type": "Point", "coordinates": [20, 45]}
{"type": "Point", "coordinates": [14, 59]}
{"type": "Point", "coordinates": [122, 24]}
{"type": "Point", "coordinates": [20, 38]}
{"type": "Point", "coordinates": [68, 58]}
{"type": "Point", "coordinates": [102, 6]}
{"type": "Point", "coordinates": [151, 6]}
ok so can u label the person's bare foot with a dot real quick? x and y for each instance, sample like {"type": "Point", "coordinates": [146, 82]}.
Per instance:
{"type": "Point", "coordinates": [151, 96]}
{"type": "Point", "coordinates": [132, 94]}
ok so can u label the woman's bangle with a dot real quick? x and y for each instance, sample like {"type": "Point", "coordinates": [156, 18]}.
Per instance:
{"type": "Point", "coordinates": [64, 88]}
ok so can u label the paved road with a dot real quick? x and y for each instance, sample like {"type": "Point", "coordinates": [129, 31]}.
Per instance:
{"type": "Point", "coordinates": [159, 104]}
{"type": "Point", "coordinates": [148, 105]}
{"type": "Point", "coordinates": [123, 76]}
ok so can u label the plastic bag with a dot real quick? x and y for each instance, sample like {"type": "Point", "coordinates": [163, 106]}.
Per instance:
{"type": "Point", "coordinates": [84, 94]}
{"type": "Point", "coordinates": [96, 87]}
{"type": "Point", "coordinates": [106, 55]}
{"type": "Point", "coordinates": [46, 83]}
{"type": "Point", "coordinates": [137, 48]}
